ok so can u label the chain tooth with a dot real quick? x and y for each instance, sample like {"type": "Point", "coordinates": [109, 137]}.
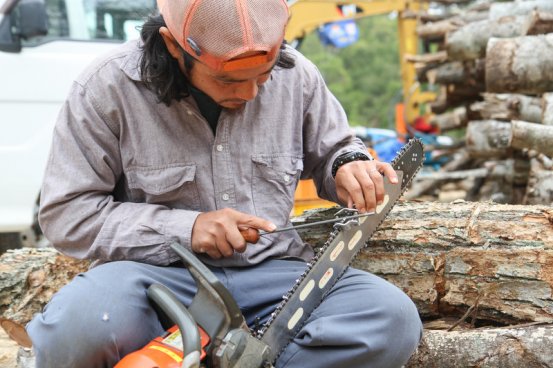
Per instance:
{"type": "Point", "coordinates": [331, 237]}
{"type": "Point", "coordinates": [285, 298]}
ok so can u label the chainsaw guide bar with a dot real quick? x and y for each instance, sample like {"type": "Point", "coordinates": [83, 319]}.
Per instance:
{"type": "Point", "coordinates": [334, 257]}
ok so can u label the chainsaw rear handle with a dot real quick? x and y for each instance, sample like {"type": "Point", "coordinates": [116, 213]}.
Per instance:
{"type": "Point", "coordinates": [213, 307]}
{"type": "Point", "coordinates": [178, 314]}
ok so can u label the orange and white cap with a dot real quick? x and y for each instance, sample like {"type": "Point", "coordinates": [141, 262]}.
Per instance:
{"type": "Point", "coordinates": [217, 32]}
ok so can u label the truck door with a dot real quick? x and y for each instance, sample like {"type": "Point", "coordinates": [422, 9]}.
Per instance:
{"type": "Point", "coordinates": [36, 72]}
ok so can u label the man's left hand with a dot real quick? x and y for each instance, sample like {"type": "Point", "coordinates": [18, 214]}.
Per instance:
{"type": "Point", "coordinates": [361, 184]}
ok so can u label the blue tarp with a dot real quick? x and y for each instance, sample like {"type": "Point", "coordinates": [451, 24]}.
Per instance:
{"type": "Point", "coordinates": [339, 34]}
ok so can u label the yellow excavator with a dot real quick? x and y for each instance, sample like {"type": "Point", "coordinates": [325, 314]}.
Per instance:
{"type": "Point", "coordinates": [308, 15]}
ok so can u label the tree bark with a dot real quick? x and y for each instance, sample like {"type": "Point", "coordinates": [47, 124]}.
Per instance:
{"type": "Point", "coordinates": [419, 188]}
{"type": "Point", "coordinates": [499, 10]}
{"type": "Point", "coordinates": [514, 347]}
{"type": "Point", "coordinates": [540, 184]}
{"type": "Point", "coordinates": [489, 138]}
{"type": "Point", "coordinates": [448, 256]}
{"type": "Point", "coordinates": [532, 136]}
{"type": "Point", "coordinates": [539, 23]}
{"type": "Point", "coordinates": [470, 73]}
{"type": "Point", "coordinates": [520, 65]}
{"type": "Point", "coordinates": [509, 107]}
{"type": "Point", "coordinates": [449, 2]}
{"type": "Point", "coordinates": [436, 57]}
{"type": "Point", "coordinates": [438, 30]}
{"type": "Point", "coordinates": [450, 120]}
{"type": "Point", "coordinates": [443, 255]}
{"type": "Point", "coordinates": [470, 41]}
{"type": "Point", "coordinates": [494, 261]}
{"type": "Point", "coordinates": [547, 103]}
{"type": "Point", "coordinates": [29, 277]}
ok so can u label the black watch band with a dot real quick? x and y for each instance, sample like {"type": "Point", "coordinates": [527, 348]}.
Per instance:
{"type": "Point", "coordinates": [348, 157]}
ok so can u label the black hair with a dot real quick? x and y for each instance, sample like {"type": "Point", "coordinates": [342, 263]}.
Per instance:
{"type": "Point", "coordinates": [160, 71]}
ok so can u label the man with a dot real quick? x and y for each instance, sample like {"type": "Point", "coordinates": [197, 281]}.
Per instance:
{"type": "Point", "coordinates": [203, 128]}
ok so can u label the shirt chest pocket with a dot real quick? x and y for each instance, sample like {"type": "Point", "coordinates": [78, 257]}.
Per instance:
{"type": "Point", "coordinates": [172, 185]}
{"type": "Point", "coordinates": [274, 182]}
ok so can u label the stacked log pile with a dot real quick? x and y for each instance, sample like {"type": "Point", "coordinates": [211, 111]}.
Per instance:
{"type": "Point", "coordinates": [480, 274]}
{"type": "Point", "coordinates": [491, 65]}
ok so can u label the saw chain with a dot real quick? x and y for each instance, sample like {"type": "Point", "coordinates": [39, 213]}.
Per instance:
{"type": "Point", "coordinates": [334, 257]}
{"type": "Point", "coordinates": [212, 331]}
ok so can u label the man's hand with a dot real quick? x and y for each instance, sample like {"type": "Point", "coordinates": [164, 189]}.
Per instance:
{"type": "Point", "coordinates": [217, 233]}
{"type": "Point", "coordinates": [361, 183]}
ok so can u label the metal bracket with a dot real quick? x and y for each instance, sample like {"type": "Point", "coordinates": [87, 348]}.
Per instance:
{"type": "Point", "coordinates": [348, 223]}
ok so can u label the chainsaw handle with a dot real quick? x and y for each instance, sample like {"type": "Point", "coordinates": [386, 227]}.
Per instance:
{"type": "Point", "coordinates": [177, 313]}
{"type": "Point", "coordinates": [210, 292]}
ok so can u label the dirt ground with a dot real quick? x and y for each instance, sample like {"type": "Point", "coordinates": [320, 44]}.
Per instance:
{"type": "Point", "coordinates": [8, 351]}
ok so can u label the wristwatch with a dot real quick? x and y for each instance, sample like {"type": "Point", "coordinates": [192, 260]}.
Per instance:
{"type": "Point", "coordinates": [349, 157]}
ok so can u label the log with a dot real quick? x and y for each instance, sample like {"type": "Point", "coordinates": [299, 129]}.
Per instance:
{"type": "Point", "coordinates": [540, 184]}
{"type": "Point", "coordinates": [438, 30]}
{"type": "Point", "coordinates": [456, 251]}
{"type": "Point", "coordinates": [470, 73]}
{"type": "Point", "coordinates": [452, 72]}
{"type": "Point", "coordinates": [29, 277]}
{"type": "Point", "coordinates": [450, 120]}
{"type": "Point", "coordinates": [448, 2]}
{"type": "Point", "coordinates": [459, 161]}
{"type": "Point", "coordinates": [509, 107]}
{"type": "Point", "coordinates": [513, 347]}
{"type": "Point", "coordinates": [539, 23]}
{"type": "Point", "coordinates": [499, 187]}
{"type": "Point", "coordinates": [423, 16]}
{"type": "Point", "coordinates": [446, 255]}
{"type": "Point", "coordinates": [449, 258]}
{"type": "Point", "coordinates": [520, 65]}
{"type": "Point", "coordinates": [489, 138]}
{"type": "Point", "coordinates": [535, 136]}
{"type": "Point", "coordinates": [480, 6]}
{"type": "Point", "coordinates": [462, 93]}
{"type": "Point", "coordinates": [436, 57]}
{"type": "Point", "coordinates": [470, 41]}
{"type": "Point", "coordinates": [499, 10]}
{"type": "Point", "coordinates": [439, 105]}
{"type": "Point", "coordinates": [547, 103]}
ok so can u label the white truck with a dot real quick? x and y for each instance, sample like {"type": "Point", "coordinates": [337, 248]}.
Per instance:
{"type": "Point", "coordinates": [44, 44]}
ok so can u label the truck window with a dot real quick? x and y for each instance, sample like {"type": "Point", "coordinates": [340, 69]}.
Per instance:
{"type": "Point", "coordinates": [94, 20]}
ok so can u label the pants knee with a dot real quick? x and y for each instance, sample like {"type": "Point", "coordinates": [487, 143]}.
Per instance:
{"type": "Point", "coordinates": [92, 321]}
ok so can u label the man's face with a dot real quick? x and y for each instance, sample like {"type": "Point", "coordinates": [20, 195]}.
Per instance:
{"type": "Point", "coordinates": [233, 89]}
{"type": "Point", "coordinates": [230, 89]}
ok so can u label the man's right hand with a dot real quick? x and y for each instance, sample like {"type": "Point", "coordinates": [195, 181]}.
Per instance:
{"type": "Point", "coordinates": [217, 233]}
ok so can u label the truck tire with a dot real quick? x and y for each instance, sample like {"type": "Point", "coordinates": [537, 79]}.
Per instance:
{"type": "Point", "coordinates": [10, 241]}
{"type": "Point", "coordinates": [30, 238]}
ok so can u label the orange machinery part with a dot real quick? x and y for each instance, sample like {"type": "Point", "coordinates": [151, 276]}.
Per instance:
{"type": "Point", "coordinates": [162, 352]}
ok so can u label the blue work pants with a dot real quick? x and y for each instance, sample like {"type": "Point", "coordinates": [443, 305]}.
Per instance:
{"type": "Point", "coordinates": [104, 314]}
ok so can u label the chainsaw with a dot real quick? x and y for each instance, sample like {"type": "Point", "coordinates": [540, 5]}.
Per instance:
{"type": "Point", "coordinates": [212, 332]}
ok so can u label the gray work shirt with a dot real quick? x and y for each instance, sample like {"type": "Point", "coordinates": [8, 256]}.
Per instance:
{"type": "Point", "coordinates": [127, 176]}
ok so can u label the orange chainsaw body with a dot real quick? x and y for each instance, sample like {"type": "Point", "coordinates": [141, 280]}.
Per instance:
{"type": "Point", "coordinates": [162, 352]}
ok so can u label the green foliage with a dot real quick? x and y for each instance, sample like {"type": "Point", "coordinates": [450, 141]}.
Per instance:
{"type": "Point", "coordinates": [365, 76]}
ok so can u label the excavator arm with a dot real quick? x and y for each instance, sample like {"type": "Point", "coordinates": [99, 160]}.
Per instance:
{"type": "Point", "coordinates": [308, 15]}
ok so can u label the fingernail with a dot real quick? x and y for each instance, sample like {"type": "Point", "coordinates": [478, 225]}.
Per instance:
{"type": "Point", "coordinates": [272, 227]}
{"type": "Point", "coordinates": [379, 202]}
{"type": "Point", "coordinates": [372, 209]}
{"type": "Point", "coordinates": [362, 210]}
{"type": "Point", "coordinates": [393, 179]}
